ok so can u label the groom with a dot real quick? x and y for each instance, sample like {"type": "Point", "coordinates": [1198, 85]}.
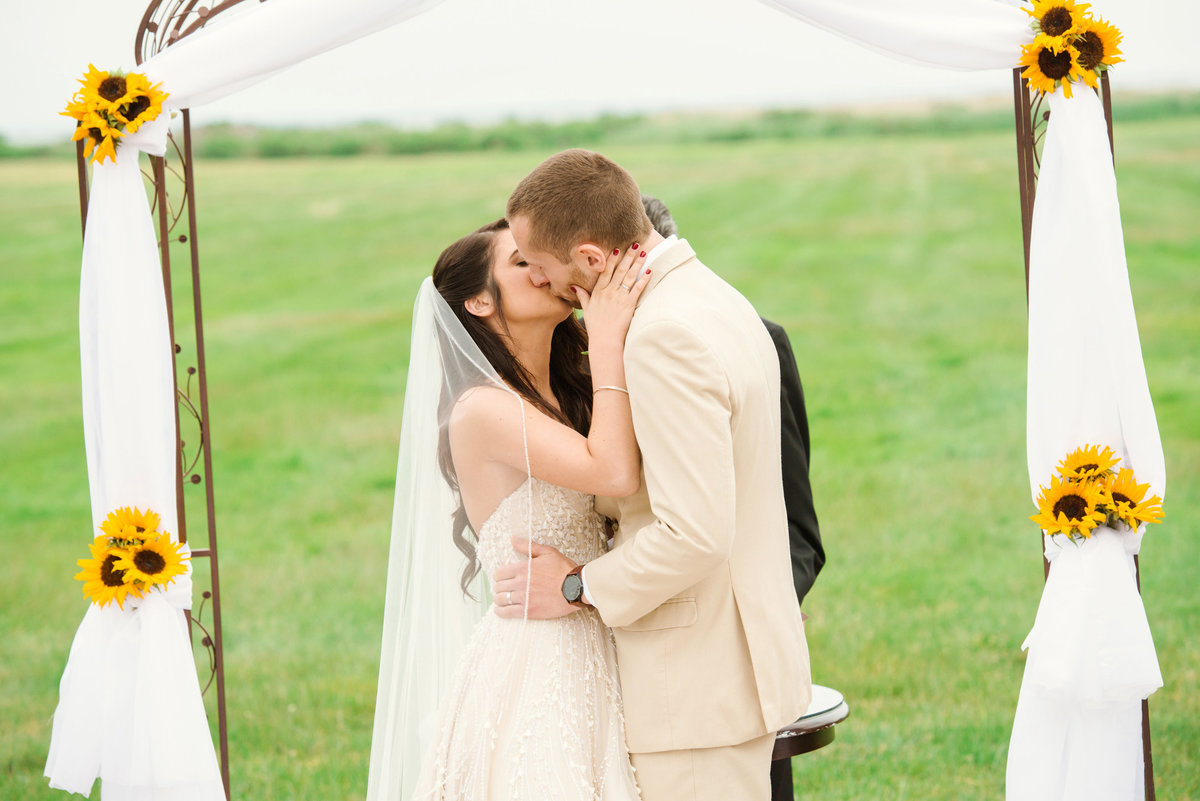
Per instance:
{"type": "Point", "coordinates": [697, 587]}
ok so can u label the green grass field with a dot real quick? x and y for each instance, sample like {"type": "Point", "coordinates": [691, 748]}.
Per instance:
{"type": "Point", "coordinates": [894, 262]}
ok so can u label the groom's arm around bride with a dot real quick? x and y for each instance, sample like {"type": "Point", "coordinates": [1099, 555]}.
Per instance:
{"type": "Point", "coordinates": [698, 586]}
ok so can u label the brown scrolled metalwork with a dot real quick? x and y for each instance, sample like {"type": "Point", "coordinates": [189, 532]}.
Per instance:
{"type": "Point", "coordinates": [1032, 114]}
{"type": "Point", "coordinates": [164, 23]}
{"type": "Point", "coordinates": [168, 21]}
{"type": "Point", "coordinates": [170, 203]}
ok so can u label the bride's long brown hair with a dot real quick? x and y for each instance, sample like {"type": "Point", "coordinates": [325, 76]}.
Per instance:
{"type": "Point", "coordinates": [463, 271]}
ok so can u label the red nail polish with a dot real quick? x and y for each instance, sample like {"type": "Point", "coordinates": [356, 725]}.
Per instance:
{"type": "Point", "coordinates": [647, 271]}
{"type": "Point", "coordinates": [642, 255]}
{"type": "Point", "coordinates": [616, 251]}
{"type": "Point", "coordinates": [635, 245]}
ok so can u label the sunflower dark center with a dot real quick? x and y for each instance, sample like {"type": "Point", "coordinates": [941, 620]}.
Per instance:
{"type": "Point", "coordinates": [149, 562]}
{"type": "Point", "coordinates": [96, 134]}
{"type": "Point", "coordinates": [1056, 21]}
{"type": "Point", "coordinates": [1054, 66]}
{"type": "Point", "coordinates": [1119, 498]}
{"type": "Point", "coordinates": [112, 87]}
{"type": "Point", "coordinates": [132, 110]}
{"type": "Point", "coordinates": [1073, 506]}
{"type": "Point", "coordinates": [1086, 468]}
{"type": "Point", "coordinates": [1091, 50]}
{"type": "Point", "coordinates": [110, 576]}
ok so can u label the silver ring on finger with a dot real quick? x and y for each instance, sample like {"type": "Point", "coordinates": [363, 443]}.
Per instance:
{"type": "Point", "coordinates": [508, 599]}
{"type": "Point", "coordinates": [626, 287]}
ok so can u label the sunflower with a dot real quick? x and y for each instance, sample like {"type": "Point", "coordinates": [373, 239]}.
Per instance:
{"type": "Point", "coordinates": [103, 581]}
{"type": "Point", "coordinates": [1057, 17]}
{"type": "Point", "coordinates": [109, 90]}
{"type": "Point", "coordinates": [131, 525]}
{"type": "Point", "coordinates": [1097, 42]}
{"type": "Point", "coordinates": [1050, 61]}
{"type": "Point", "coordinates": [157, 561]}
{"type": "Point", "coordinates": [1128, 502]}
{"type": "Point", "coordinates": [110, 104]}
{"type": "Point", "coordinates": [146, 104]}
{"type": "Point", "coordinates": [1069, 507]}
{"type": "Point", "coordinates": [1087, 462]}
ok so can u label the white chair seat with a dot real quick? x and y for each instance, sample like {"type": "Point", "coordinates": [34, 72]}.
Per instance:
{"type": "Point", "coordinates": [828, 707]}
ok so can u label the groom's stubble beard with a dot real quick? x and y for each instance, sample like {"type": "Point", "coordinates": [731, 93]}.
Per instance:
{"type": "Point", "coordinates": [577, 276]}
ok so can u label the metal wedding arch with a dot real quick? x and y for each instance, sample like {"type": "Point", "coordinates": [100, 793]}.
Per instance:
{"type": "Point", "coordinates": [172, 181]}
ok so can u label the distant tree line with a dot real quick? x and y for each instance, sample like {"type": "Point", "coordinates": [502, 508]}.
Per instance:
{"type": "Point", "coordinates": [230, 141]}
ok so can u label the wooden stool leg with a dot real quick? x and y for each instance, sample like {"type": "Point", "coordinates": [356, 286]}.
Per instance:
{"type": "Point", "coordinates": [1146, 755]}
{"type": "Point", "coordinates": [781, 780]}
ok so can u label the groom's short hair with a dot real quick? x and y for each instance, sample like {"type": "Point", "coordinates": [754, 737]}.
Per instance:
{"type": "Point", "coordinates": [579, 196]}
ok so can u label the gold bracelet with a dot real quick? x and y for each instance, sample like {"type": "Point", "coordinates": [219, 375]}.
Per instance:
{"type": "Point", "coordinates": [618, 389]}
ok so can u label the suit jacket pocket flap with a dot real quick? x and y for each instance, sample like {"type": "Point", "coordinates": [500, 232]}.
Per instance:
{"type": "Point", "coordinates": [674, 613]}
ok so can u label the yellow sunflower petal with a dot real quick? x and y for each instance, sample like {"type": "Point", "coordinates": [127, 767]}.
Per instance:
{"type": "Point", "coordinates": [76, 109]}
{"type": "Point", "coordinates": [92, 79]}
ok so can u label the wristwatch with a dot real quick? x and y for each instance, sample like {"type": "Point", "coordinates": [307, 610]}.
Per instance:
{"type": "Point", "coordinates": [572, 587]}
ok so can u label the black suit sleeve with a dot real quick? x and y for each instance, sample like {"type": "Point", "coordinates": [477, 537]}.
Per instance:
{"type": "Point", "coordinates": [808, 555]}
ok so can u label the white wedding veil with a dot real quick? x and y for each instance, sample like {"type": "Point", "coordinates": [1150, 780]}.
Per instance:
{"type": "Point", "coordinates": [427, 617]}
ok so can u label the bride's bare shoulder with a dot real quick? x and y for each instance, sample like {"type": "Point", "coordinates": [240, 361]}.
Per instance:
{"type": "Point", "coordinates": [484, 406]}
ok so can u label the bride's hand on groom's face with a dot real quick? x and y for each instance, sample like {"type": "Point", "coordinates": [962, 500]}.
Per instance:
{"type": "Point", "coordinates": [536, 584]}
{"type": "Point", "coordinates": [608, 308]}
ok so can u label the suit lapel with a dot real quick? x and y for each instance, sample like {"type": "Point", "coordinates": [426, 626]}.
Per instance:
{"type": "Point", "coordinates": [677, 254]}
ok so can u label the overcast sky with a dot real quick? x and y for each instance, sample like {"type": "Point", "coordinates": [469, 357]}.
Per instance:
{"type": "Point", "coordinates": [472, 60]}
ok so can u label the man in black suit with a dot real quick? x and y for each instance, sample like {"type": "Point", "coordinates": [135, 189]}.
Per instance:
{"type": "Point", "coordinates": [808, 555]}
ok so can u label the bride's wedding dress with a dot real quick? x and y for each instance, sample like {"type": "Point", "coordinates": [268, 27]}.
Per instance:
{"type": "Point", "coordinates": [534, 710]}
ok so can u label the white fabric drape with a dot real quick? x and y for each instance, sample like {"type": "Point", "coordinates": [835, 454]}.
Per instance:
{"type": "Point", "coordinates": [1087, 380]}
{"type": "Point", "coordinates": [253, 41]}
{"type": "Point", "coordinates": [955, 34]}
{"type": "Point", "coordinates": [1077, 732]}
{"type": "Point", "coordinates": [130, 711]}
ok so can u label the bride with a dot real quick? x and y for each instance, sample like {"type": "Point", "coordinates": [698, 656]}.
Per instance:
{"type": "Point", "coordinates": [505, 434]}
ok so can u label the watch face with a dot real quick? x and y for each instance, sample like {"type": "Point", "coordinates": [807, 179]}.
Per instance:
{"type": "Point", "coordinates": [572, 588]}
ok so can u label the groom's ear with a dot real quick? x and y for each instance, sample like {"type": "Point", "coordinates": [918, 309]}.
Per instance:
{"type": "Point", "coordinates": [481, 305]}
{"type": "Point", "coordinates": [592, 256]}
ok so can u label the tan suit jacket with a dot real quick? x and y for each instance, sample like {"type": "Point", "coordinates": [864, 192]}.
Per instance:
{"type": "Point", "coordinates": [698, 585]}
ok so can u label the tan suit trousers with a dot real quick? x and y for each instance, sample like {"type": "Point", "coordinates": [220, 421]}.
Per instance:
{"type": "Point", "coordinates": [729, 773]}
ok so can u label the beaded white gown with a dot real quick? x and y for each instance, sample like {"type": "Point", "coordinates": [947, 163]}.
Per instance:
{"type": "Point", "coordinates": [534, 710]}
